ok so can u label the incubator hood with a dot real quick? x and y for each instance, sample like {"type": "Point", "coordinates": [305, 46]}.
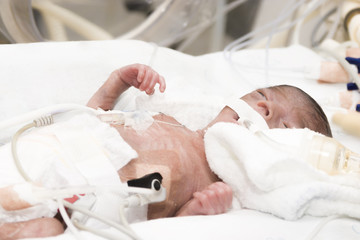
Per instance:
{"type": "Point", "coordinates": [154, 21]}
{"type": "Point", "coordinates": [168, 23]}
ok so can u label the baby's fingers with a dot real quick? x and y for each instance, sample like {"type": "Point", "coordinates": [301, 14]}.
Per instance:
{"type": "Point", "coordinates": [148, 78]}
{"type": "Point", "coordinates": [144, 78]}
{"type": "Point", "coordinates": [150, 88]}
{"type": "Point", "coordinates": [149, 84]}
{"type": "Point", "coordinates": [223, 193]}
{"type": "Point", "coordinates": [162, 84]}
{"type": "Point", "coordinates": [205, 206]}
{"type": "Point", "coordinates": [157, 79]}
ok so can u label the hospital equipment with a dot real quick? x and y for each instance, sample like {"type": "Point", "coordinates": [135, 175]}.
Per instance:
{"type": "Point", "coordinates": [140, 191]}
{"type": "Point", "coordinates": [168, 23]}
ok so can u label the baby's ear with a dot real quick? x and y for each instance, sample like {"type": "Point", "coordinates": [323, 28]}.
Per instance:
{"type": "Point", "coordinates": [264, 109]}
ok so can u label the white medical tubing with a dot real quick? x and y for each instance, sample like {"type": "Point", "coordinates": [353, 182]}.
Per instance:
{"type": "Point", "coordinates": [122, 216]}
{"type": "Point", "coordinates": [240, 43]}
{"type": "Point", "coordinates": [45, 119]}
{"type": "Point", "coordinates": [336, 23]}
{"type": "Point", "coordinates": [235, 47]}
{"type": "Point", "coordinates": [67, 220]}
{"type": "Point", "coordinates": [261, 29]}
{"type": "Point", "coordinates": [14, 151]}
{"type": "Point", "coordinates": [195, 31]}
{"type": "Point", "coordinates": [321, 224]}
{"type": "Point", "coordinates": [272, 31]}
{"type": "Point", "coordinates": [100, 218]}
{"type": "Point", "coordinates": [50, 110]}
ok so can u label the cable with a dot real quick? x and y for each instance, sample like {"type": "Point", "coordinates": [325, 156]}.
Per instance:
{"type": "Point", "coordinates": [49, 110]}
{"type": "Point", "coordinates": [67, 220]}
{"type": "Point", "coordinates": [315, 43]}
{"type": "Point", "coordinates": [322, 223]}
{"type": "Point", "coordinates": [240, 43]}
{"type": "Point", "coordinates": [122, 217]}
{"type": "Point", "coordinates": [266, 63]}
{"type": "Point", "coordinates": [113, 224]}
{"type": "Point", "coordinates": [262, 29]}
{"type": "Point", "coordinates": [14, 151]}
{"type": "Point", "coordinates": [195, 31]}
{"type": "Point", "coordinates": [43, 121]}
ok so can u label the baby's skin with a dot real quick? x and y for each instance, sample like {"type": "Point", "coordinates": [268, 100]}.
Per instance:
{"type": "Point", "coordinates": [178, 155]}
{"type": "Point", "coordinates": [171, 149]}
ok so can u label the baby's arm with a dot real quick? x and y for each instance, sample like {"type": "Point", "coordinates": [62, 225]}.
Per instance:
{"type": "Point", "coordinates": [137, 75]}
{"type": "Point", "coordinates": [215, 199]}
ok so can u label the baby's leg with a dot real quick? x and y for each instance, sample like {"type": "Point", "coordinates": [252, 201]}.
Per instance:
{"type": "Point", "coordinates": [41, 227]}
{"type": "Point", "coordinates": [215, 199]}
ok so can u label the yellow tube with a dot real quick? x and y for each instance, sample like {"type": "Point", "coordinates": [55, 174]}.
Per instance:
{"type": "Point", "coordinates": [349, 122]}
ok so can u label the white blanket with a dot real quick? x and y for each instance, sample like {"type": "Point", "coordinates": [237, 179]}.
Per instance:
{"type": "Point", "coordinates": [268, 179]}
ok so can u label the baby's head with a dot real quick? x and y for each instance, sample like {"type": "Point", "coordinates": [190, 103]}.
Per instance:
{"type": "Point", "coordinates": [287, 106]}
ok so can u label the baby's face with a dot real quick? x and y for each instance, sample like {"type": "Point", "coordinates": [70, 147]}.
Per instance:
{"type": "Point", "coordinates": [277, 107]}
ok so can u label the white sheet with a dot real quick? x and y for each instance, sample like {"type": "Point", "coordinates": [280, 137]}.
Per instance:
{"type": "Point", "coordinates": [42, 74]}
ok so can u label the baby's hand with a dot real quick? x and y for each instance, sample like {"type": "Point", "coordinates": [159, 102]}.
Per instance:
{"type": "Point", "coordinates": [215, 199]}
{"type": "Point", "coordinates": [142, 77]}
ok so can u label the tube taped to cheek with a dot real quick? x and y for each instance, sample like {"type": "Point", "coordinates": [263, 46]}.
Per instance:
{"type": "Point", "coordinates": [246, 112]}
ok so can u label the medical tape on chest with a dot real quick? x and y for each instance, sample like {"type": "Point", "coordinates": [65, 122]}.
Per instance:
{"type": "Point", "coordinates": [84, 151]}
